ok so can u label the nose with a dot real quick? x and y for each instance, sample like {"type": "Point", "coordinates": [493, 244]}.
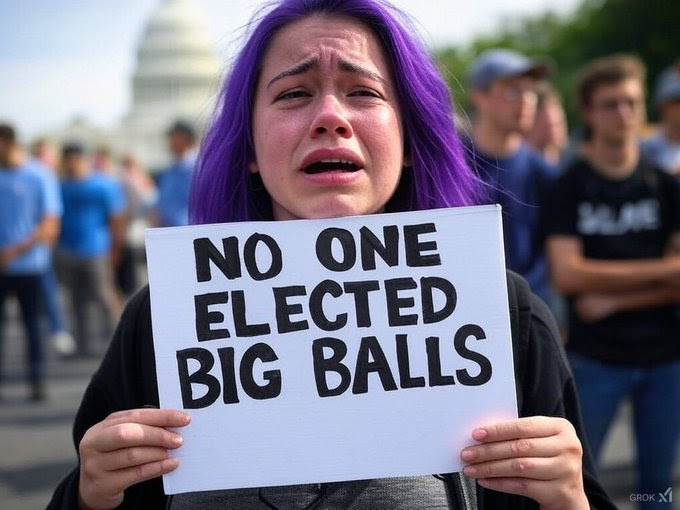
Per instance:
{"type": "Point", "coordinates": [331, 118]}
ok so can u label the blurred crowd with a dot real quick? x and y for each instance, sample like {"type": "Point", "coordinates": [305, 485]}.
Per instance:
{"type": "Point", "coordinates": [591, 220]}
{"type": "Point", "coordinates": [72, 223]}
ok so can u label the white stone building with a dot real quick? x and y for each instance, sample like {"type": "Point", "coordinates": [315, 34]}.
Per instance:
{"type": "Point", "coordinates": [177, 76]}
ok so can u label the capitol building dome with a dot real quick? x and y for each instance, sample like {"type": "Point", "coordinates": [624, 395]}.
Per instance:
{"type": "Point", "coordinates": [176, 76]}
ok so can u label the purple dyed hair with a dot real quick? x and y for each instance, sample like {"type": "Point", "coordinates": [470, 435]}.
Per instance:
{"type": "Point", "coordinates": [224, 190]}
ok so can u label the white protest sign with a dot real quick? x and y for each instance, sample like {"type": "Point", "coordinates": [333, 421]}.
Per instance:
{"type": "Point", "coordinates": [325, 350]}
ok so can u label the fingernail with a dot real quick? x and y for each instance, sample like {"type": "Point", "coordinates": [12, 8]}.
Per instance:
{"type": "Point", "coordinates": [468, 454]}
{"type": "Point", "coordinates": [171, 463]}
{"type": "Point", "coordinates": [469, 471]}
{"type": "Point", "coordinates": [178, 440]}
{"type": "Point", "coordinates": [479, 434]}
{"type": "Point", "coordinates": [187, 417]}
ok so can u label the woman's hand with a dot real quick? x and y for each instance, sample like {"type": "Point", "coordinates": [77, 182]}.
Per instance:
{"type": "Point", "coordinates": [537, 457]}
{"type": "Point", "coordinates": [126, 448]}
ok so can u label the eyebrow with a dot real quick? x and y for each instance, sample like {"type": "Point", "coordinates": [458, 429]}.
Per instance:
{"type": "Point", "coordinates": [354, 68]}
{"type": "Point", "coordinates": [300, 68]}
{"type": "Point", "coordinates": [344, 65]}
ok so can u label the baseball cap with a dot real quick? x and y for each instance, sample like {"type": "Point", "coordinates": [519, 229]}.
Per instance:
{"type": "Point", "coordinates": [499, 63]}
{"type": "Point", "coordinates": [667, 86]}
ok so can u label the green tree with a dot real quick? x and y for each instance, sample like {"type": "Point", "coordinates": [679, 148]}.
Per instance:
{"type": "Point", "coordinates": [596, 28]}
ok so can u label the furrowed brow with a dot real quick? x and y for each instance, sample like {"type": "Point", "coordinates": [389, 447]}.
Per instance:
{"type": "Point", "coordinates": [354, 68]}
{"type": "Point", "coordinates": [300, 68]}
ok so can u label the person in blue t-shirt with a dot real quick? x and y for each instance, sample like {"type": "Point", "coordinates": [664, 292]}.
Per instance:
{"type": "Point", "coordinates": [503, 92]}
{"type": "Point", "coordinates": [89, 245]}
{"type": "Point", "coordinates": [174, 183]}
{"type": "Point", "coordinates": [43, 162]}
{"type": "Point", "coordinates": [29, 222]}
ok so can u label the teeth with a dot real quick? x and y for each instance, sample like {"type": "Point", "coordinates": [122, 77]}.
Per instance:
{"type": "Point", "coordinates": [330, 165]}
{"type": "Point", "coordinates": [346, 162]}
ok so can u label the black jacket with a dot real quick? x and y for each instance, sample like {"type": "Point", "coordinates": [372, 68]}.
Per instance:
{"type": "Point", "coordinates": [126, 379]}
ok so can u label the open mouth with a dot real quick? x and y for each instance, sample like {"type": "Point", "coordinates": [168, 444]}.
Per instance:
{"type": "Point", "coordinates": [330, 165]}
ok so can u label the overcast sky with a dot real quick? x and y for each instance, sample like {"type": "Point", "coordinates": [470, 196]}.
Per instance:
{"type": "Point", "coordinates": [62, 58]}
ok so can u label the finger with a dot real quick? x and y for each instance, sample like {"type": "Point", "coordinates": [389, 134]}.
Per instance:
{"type": "Point", "coordinates": [546, 494]}
{"type": "Point", "coordinates": [535, 426]}
{"type": "Point", "coordinates": [536, 468]}
{"type": "Point", "coordinates": [128, 457]}
{"type": "Point", "coordinates": [126, 435]}
{"type": "Point", "coordinates": [124, 478]}
{"type": "Point", "coordinates": [519, 486]}
{"type": "Point", "coordinates": [514, 448]}
{"type": "Point", "coordinates": [152, 417]}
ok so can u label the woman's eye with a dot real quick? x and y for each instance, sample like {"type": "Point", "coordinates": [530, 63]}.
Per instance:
{"type": "Point", "coordinates": [365, 93]}
{"type": "Point", "coordinates": [292, 94]}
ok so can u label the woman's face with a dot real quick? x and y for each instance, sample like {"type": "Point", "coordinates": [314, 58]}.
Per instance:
{"type": "Point", "coordinates": [326, 123]}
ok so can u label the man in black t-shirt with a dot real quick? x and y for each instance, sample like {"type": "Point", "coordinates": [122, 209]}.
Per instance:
{"type": "Point", "coordinates": [613, 243]}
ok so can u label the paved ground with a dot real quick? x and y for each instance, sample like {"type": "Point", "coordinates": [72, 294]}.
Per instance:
{"type": "Point", "coordinates": [35, 439]}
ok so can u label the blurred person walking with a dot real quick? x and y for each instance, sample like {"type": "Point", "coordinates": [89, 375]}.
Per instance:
{"type": "Point", "coordinates": [44, 161]}
{"type": "Point", "coordinates": [613, 224]}
{"type": "Point", "coordinates": [503, 91]}
{"type": "Point", "coordinates": [89, 245]}
{"type": "Point", "coordinates": [104, 166]}
{"type": "Point", "coordinates": [172, 208]}
{"type": "Point", "coordinates": [29, 222]}
{"type": "Point", "coordinates": [663, 148]}
{"type": "Point", "coordinates": [102, 162]}
{"type": "Point", "coordinates": [44, 152]}
{"type": "Point", "coordinates": [141, 195]}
